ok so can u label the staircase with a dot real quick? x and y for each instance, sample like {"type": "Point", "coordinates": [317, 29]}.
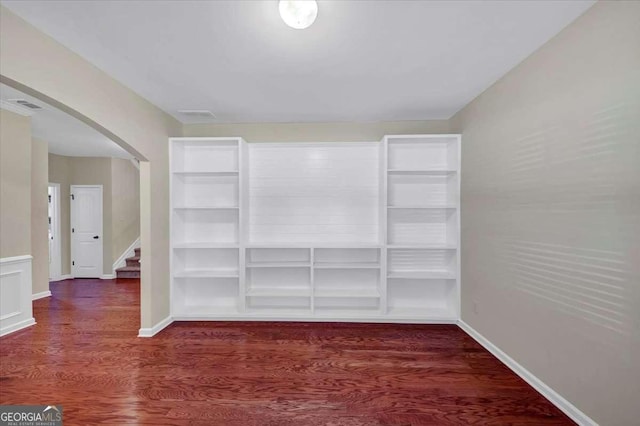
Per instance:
{"type": "Point", "coordinates": [132, 270]}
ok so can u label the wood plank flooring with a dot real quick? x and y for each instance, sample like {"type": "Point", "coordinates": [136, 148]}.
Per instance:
{"type": "Point", "coordinates": [84, 355]}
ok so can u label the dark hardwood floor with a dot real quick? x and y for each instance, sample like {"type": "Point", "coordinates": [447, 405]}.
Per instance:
{"type": "Point", "coordinates": [84, 355]}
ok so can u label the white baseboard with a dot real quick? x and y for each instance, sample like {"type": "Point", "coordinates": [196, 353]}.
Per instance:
{"type": "Point", "coordinates": [150, 332]}
{"type": "Point", "coordinates": [17, 326]}
{"type": "Point", "coordinates": [554, 397]}
{"type": "Point", "coordinates": [41, 295]}
{"type": "Point", "coordinates": [129, 252]}
{"type": "Point", "coordinates": [61, 278]}
{"type": "Point", "coordinates": [107, 277]}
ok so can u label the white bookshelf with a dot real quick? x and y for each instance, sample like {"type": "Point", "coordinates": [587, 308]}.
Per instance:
{"type": "Point", "coordinates": [205, 226]}
{"type": "Point", "coordinates": [365, 231]}
{"type": "Point", "coordinates": [422, 234]}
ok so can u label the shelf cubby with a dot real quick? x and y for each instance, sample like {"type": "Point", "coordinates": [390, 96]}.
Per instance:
{"type": "Point", "coordinates": [422, 226]}
{"type": "Point", "coordinates": [205, 190]}
{"type": "Point", "coordinates": [205, 226]}
{"type": "Point", "coordinates": [278, 282]}
{"type": "Point", "coordinates": [341, 307]}
{"type": "Point", "coordinates": [421, 263]}
{"type": "Point", "coordinates": [426, 298]}
{"type": "Point", "coordinates": [278, 302]}
{"type": "Point", "coordinates": [422, 190]}
{"type": "Point", "coordinates": [209, 262]}
{"type": "Point", "coordinates": [196, 155]}
{"type": "Point", "coordinates": [346, 258]}
{"type": "Point", "coordinates": [347, 283]}
{"type": "Point", "coordinates": [278, 257]}
{"type": "Point", "coordinates": [424, 153]}
{"type": "Point", "coordinates": [194, 297]}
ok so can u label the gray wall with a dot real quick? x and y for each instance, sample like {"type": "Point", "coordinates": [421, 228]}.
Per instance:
{"type": "Point", "coordinates": [551, 213]}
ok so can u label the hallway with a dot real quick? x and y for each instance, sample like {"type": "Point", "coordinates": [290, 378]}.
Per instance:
{"type": "Point", "coordinates": [84, 355]}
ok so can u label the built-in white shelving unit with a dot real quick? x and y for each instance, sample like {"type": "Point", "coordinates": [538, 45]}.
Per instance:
{"type": "Point", "coordinates": [365, 231]}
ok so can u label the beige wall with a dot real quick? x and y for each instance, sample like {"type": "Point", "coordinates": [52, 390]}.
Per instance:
{"type": "Point", "coordinates": [60, 172]}
{"type": "Point", "coordinates": [316, 132]}
{"type": "Point", "coordinates": [120, 201]}
{"type": "Point", "coordinates": [15, 184]}
{"type": "Point", "coordinates": [79, 88]}
{"type": "Point", "coordinates": [39, 216]}
{"type": "Point", "coordinates": [125, 206]}
{"type": "Point", "coordinates": [551, 213]}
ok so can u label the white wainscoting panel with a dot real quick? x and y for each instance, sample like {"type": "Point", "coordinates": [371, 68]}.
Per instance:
{"type": "Point", "coordinates": [15, 294]}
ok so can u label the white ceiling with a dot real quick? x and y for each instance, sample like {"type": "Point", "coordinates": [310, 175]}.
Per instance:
{"type": "Point", "coordinates": [360, 61]}
{"type": "Point", "coordinates": [64, 134]}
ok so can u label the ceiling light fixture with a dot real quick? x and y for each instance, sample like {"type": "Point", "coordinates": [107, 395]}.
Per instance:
{"type": "Point", "coordinates": [298, 14]}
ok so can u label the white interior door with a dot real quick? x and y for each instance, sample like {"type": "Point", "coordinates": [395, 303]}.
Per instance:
{"type": "Point", "coordinates": [55, 250]}
{"type": "Point", "coordinates": [86, 231]}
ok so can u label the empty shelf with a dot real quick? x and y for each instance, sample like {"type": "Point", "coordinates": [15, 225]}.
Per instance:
{"type": "Point", "coordinates": [423, 246]}
{"type": "Point", "coordinates": [425, 313]}
{"type": "Point", "coordinates": [206, 207]}
{"type": "Point", "coordinates": [346, 265]}
{"type": "Point", "coordinates": [204, 245]}
{"type": "Point", "coordinates": [312, 245]}
{"type": "Point", "coordinates": [427, 275]}
{"type": "Point", "coordinates": [348, 293]}
{"type": "Point", "coordinates": [207, 273]}
{"type": "Point", "coordinates": [207, 173]}
{"type": "Point", "coordinates": [421, 172]}
{"type": "Point", "coordinates": [447, 206]}
{"type": "Point", "coordinates": [204, 311]}
{"type": "Point", "coordinates": [268, 312]}
{"type": "Point", "coordinates": [292, 264]}
{"type": "Point", "coordinates": [279, 292]}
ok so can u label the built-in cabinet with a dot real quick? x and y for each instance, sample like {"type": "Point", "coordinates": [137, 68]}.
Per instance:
{"type": "Point", "coordinates": [357, 231]}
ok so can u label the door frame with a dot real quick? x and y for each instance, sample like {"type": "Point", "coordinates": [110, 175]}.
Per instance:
{"type": "Point", "coordinates": [55, 249]}
{"type": "Point", "coordinates": [71, 226]}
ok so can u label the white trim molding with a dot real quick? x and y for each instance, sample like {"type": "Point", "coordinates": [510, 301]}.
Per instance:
{"type": "Point", "coordinates": [61, 278]}
{"type": "Point", "coordinates": [14, 259]}
{"type": "Point", "coordinates": [129, 252]}
{"type": "Point", "coordinates": [41, 295]}
{"type": "Point", "coordinates": [15, 108]}
{"type": "Point", "coordinates": [554, 397]}
{"type": "Point", "coordinates": [16, 311]}
{"type": "Point", "coordinates": [17, 326]}
{"type": "Point", "coordinates": [107, 276]}
{"type": "Point", "coordinates": [150, 332]}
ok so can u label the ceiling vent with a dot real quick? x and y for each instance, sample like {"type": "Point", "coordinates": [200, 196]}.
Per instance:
{"type": "Point", "coordinates": [25, 103]}
{"type": "Point", "coordinates": [197, 114]}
